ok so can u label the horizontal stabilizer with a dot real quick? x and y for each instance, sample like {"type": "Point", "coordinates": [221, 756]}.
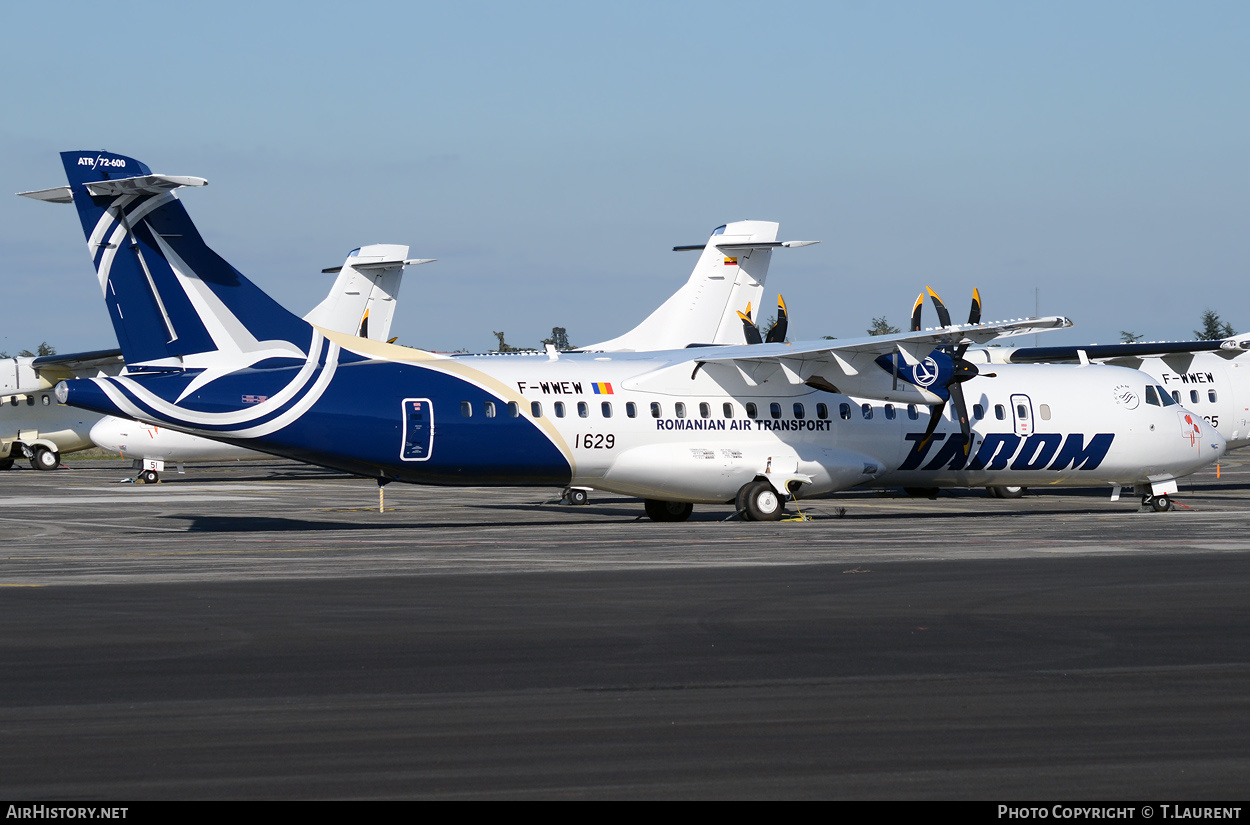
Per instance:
{"type": "Point", "coordinates": [141, 185]}
{"type": "Point", "coordinates": [57, 194]}
{"type": "Point", "coordinates": [738, 247]}
{"type": "Point", "coordinates": [382, 265]}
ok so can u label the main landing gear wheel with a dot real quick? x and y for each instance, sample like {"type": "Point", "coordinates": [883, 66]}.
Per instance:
{"type": "Point", "coordinates": [1160, 503]}
{"type": "Point", "coordinates": [1008, 492]}
{"type": "Point", "coordinates": [577, 497]}
{"type": "Point", "coordinates": [44, 459]}
{"type": "Point", "coordinates": [761, 502]}
{"type": "Point", "coordinates": [668, 510]}
{"type": "Point", "coordinates": [149, 477]}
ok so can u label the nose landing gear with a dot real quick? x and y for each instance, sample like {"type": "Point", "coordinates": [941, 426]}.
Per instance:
{"type": "Point", "coordinates": [1160, 503]}
{"type": "Point", "coordinates": [758, 501]}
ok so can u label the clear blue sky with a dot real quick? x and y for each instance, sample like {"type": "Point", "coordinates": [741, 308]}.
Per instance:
{"type": "Point", "coordinates": [550, 155]}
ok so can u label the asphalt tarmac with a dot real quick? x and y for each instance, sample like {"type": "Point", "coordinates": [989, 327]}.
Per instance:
{"type": "Point", "coordinates": [259, 630]}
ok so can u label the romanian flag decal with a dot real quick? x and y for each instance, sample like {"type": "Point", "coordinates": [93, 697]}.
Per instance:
{"type": "Point", "coordinates": [602, 389]}
{"type": "Point", "coordinates": [731, 262]}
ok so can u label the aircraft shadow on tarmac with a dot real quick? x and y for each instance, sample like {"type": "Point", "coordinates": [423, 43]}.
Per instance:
{"type": "Point", "coordinates": [393, 519]}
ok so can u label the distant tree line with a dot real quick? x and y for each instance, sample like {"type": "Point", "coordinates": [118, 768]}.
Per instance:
{"type": "Point", "coordinates": [43, 349]}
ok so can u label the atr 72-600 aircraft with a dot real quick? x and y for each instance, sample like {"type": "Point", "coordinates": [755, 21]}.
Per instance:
{"type": "Point", "coordinates": [208, 352]}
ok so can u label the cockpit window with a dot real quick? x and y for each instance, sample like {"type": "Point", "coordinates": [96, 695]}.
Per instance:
{"type": "Point", "coordinates": [354, 252]}
{"type": "Point", "coordinates": [1152, 397]}
{"type": "Point", "coordinates": [720, 230]}
{"type": "Point", "coordinates": [1168, 401]}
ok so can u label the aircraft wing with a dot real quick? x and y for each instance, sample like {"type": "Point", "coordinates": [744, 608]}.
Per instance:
{"type": "Point", "coordinates": [908, 367]}
{"type": "Point", "coordinates": [1109, 352]}
{"type": "Point", "coordinates": [31, 373]}
{"type": "Point", "coordinates": [78, 361]}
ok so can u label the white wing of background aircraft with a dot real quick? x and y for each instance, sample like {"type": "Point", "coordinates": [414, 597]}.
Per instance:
{"type": "Point", "coordinates": [1212, 378]}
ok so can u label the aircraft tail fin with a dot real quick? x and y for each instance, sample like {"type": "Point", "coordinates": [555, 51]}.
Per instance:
{"type": "Point", "coordinates": [729, 274]}
{"type": "Point", "coordinates": [168, 294]}
{"type": "Point", "coordinates": [363, 298]}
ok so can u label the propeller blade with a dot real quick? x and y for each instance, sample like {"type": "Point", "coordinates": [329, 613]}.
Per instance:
{"type": "Point", "coordinates": [974, 317]}
{"type": "Point", "coordinates": [778, 333]}
{"type": "Point", "coordinates": [935, 415]}
{"type": "Point", "coordinates": [961, 410]}
{"type": "Point", "coordinates": [944, 317]}
{"type": "Point", "coordinates": [915, 312]}
{"type": "Point", "coordinates": [749, 329]}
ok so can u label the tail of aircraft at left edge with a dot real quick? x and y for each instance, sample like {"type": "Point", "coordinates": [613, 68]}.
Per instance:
{"type": "Point", "coordinates": [208, 352]}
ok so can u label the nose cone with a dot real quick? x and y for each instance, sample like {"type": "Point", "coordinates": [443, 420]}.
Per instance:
{"type": "Point", "coordinates": [1214, 441]}
{"type": "Point", "coordinates": [1205, 444]}
{"type": "Point", "coordinates": [107, 434]}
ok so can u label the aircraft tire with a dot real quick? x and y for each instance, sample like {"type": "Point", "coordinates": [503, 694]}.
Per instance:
{"type": "Point", "coordinates": [1161, 504]}
{"type": "Point", "coordinates": [667, 510]}
{"type": "Point", "coordinates": [740, 500]}
{"type": "Point", "coordinates": [763, 503]}
{"type": "Point", "coordinates": [578, 497]}
{"type": "Point", "coordinates": [44, 459]}
{"type": "Point", "coordinates": [150, 477]}
{"type": "Point", "coordinates": [1011, 492]}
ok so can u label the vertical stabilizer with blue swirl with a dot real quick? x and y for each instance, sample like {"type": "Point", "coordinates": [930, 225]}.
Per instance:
{"type": "Point", "coordinates": [174, 302]}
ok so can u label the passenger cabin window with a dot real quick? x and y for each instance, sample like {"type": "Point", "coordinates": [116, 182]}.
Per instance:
{"type": "Point", "coordinates": [978, 412]}
{"type": "Point", "coordinates": [889, 412]}
{"type": "Point", "coordinates": [656, 409]}
{"type": "Point", "coordinates": [774, 409]}
{"type": "Point", "coordinates": [536, 409]}
{"type": "Point", "coordinates": [844, 411]}
{"type": "Point", "coordinates": [752, 410]}
{"type": "Point", "coordinates": [466, 409]}
{"type": "Point", "coordinates": [1211, 396]}
{"type": "Point", "coordinates": [514, 409]}
{"type": "Point", "coordinates": [1193, 396]}
{"type": "Point", "coordinates": [1000, 412]}
{"type": "Point", "coordinates": [1176, 396]}
{"type": "Point", "coordinates": [912, 412]}
{"type": "Point", "coordinates": [705, 410]}
{"type": "Point", "coordinates": [866, 411]}
{"type": "Point", "coordinates": [583, 409]}
{"type": "Point", "coordinates": [728, 409]}
{"type": "Point", "coordinates": [1044, 411]}
{"type": "Point", "coordinates": [631, 409]}
{"type": "Point", "coordinates": [822, 411]}
{"type": "Point", "coordinates": [606, 409]}
{"type": "Point", "coordinates": [799, 412]}
{"type": "Point", "coordinates": [1022, 412]}
{"type": "Point", "coordinates": [559, 409]}
{"type": "Point", "coordinates": [681, 409]}
{"type": "Point", "coordinates": [490, 409]}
